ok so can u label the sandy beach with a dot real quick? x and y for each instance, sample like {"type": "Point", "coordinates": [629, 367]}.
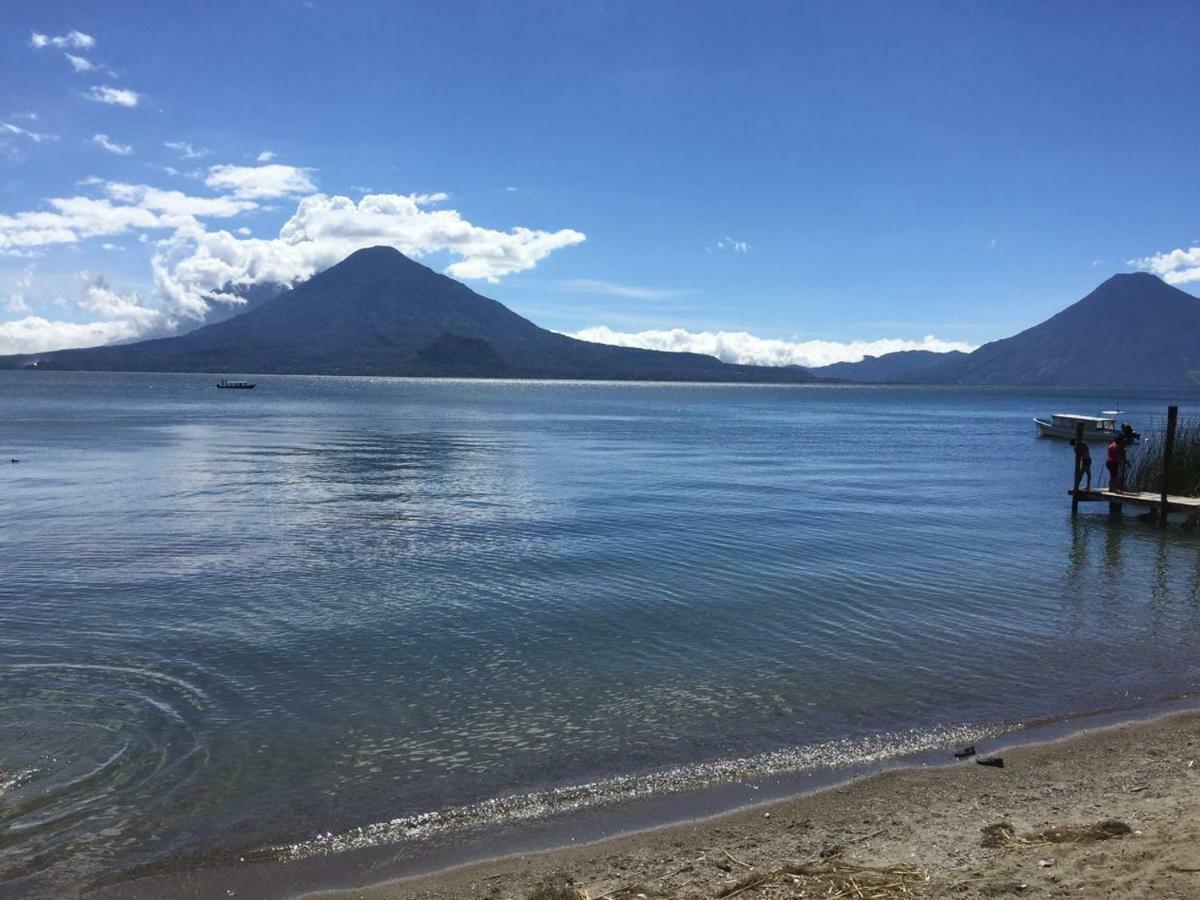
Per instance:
{"type": "Point", "coordinates": [1113, 812]}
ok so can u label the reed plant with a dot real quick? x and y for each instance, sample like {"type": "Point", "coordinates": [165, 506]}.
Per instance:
{"type": "Point", "coordinates": [1146, 461]}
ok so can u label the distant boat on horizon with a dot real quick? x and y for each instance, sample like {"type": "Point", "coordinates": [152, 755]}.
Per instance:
{"type": "Point", "coordinates": [236, 385]}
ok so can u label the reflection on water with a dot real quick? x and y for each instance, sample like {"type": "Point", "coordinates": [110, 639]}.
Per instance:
{"type": "Point", "coordinates": [232, 623]}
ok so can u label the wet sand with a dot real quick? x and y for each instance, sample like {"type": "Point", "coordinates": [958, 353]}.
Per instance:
{"type": "Point", "coordinates": [922, 827]}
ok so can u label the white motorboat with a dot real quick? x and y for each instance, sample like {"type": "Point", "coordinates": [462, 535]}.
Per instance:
{"type": "Point", "coordinates": [1095, 428]}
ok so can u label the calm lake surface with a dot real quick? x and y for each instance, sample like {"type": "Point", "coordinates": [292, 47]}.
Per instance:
{"type": "Point", "coordinates": [231, 620]}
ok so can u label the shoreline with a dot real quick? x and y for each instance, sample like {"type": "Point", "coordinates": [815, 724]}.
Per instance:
{"type": "Point", "coordinates": [1144, 774]}
{"type": "Point", "coordinates": [526, 854]}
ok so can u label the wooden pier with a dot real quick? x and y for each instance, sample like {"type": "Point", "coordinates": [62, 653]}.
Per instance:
{"type": "Point", "coordinates": [1137, 498]}
{"type": "Point", "coordinates": [1161, 504]}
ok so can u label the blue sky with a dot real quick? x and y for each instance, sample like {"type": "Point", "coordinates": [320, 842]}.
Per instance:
{"type": "Point", "coordinates": [801, 172]}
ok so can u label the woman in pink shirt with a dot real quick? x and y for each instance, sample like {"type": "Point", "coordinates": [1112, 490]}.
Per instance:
{"type": "Point", "coordinates": [1116, 465]}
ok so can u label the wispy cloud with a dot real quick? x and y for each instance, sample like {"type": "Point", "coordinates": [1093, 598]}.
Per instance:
{"type": "Point", "coordinates": [743, 347]}
{"type": "Point", "coordinates": [613, 289]}
{"type": "Point", "coordinates": [36, 136]}
{"type": "Point", "coordinates": [265, 156]}
{"type": "Point", "coordinates": [112, 146]}
{"type": "Point", "coordinates": [113, 96]}
{"type": "Point", "coordinates": [728, 245]}
{"type": "Point", "coordinates": [1177, 266]}
{"type": "Point", "coordinates": [186, 150]}
{"type": "Point", "coordinates": [80, 63]}
{"type": "Point", "coordinates": [16, 299]}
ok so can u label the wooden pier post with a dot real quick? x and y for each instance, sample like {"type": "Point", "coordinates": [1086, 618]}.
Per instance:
{"type": "Point", "coordinates": [1168, 453]}
{"type": "Point", "coordinates": [1078, 470]}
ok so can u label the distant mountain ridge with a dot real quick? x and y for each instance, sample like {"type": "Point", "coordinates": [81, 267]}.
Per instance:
{"type": "Point", "coordinates": [1132, 331]}
{"type": "Point", "coordinates": [377, 312]}
{"type": "Point", "coordinates": [903, 365]}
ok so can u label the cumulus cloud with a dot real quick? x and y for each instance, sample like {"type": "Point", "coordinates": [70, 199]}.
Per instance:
{"type": "Point", "coordinates": [261, 182]}
{"type": "Point", "coordinates": [112, 146]}
{"type": "Point", "coordinates": [120, 317]}
{"type": "Point", "coordinates": [1177, 266]}
{"type": "Point", "coordinates": [35, 334]}
{"type": "Point", "coordinates": [75, 39]}
{"type": "Point", "coordinates": [36, 136]}
{"type": "Point", "coordinates": [137, 207]}
{"type": "Point", "coordinates": [195, 265]}
{"type": "Point", "coordinates": [100, 299]}
{"type": "Point", "coordinates": [624, 291]}
{"type": "Point", "coordinates": [745, 348]}
{"type": "Point", "coordinates": [265, 156]}
{"type": "Point", "coordinates": [113, 96]}
{"type": "Point", "coordinates": [186, 150]}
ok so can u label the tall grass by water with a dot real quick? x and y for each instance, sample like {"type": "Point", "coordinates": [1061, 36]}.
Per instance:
{"type": "Point", "coordinates": [1146, 465]}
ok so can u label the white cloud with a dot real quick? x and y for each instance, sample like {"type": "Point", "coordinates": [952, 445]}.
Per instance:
{"type": "Point", "coordinates": [244, 231]}
{"type": "Point", "coordinates": [73, 219]}
{"type": "Point", "coordinates": [137, 207]}
{"type": "Point", "coordinates": [613, 289]}
{"type": "Point", "coordinates": [257, 182]}
{"type": "Point", "coordinates": [16, 300]}
{"type": "Point", "coordinates": [80, 63]}
{"type": "Point", "coordinates": [121, 317]}
{"type": "Point", "coordinates": [510, 189]}
{"type": "Point", "coordinates": [176, 207]}
{"type": "Point", "coordinates": [265, 156]}
{"type": "Point", "coordinates": [1174, 267]}
{"type": "Point", "coordinates": [36, 136]}
{"type": "Point", "coordinates": [112, 146]}
{"type": "Point", "coordinates": [34, 334]}
{"type": "Point", "coordinates": [743, 347]}
{"type": "Point", "coordinates": [194, 263]}
{"type": "Point", "coordinates": [101, 300]}
{"type": "Point", "coordinates": [113, 96]}
{"type": "Point", "coordinates": [76, 39]}
{"type": "Point", "coordinates": [729, 245]}
{"type": "Point", "coordinates": [186, 150]}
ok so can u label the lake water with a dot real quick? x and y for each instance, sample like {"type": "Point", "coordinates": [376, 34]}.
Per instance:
{"type": "Point", "coordinates": [234, 620]}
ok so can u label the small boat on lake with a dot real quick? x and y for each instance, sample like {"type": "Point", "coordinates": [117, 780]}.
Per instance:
{"type": "Point", "coordinates": [235, 385]}
{"type": "Point", "coordinates": [1095, 428]}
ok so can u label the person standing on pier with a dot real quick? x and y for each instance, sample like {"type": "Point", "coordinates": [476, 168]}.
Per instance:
{"type": "Point", "coordinates": [1083, 456]}
{"type": "Point", "coordinates": [1116, 463]}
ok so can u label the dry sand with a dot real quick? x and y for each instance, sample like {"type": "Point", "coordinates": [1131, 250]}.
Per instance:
{"type": "Point", "coordinates": [920, 829]}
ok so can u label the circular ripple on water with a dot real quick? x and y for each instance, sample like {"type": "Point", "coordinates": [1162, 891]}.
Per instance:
{"type": "Point", "coordinates": [87, 752]}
